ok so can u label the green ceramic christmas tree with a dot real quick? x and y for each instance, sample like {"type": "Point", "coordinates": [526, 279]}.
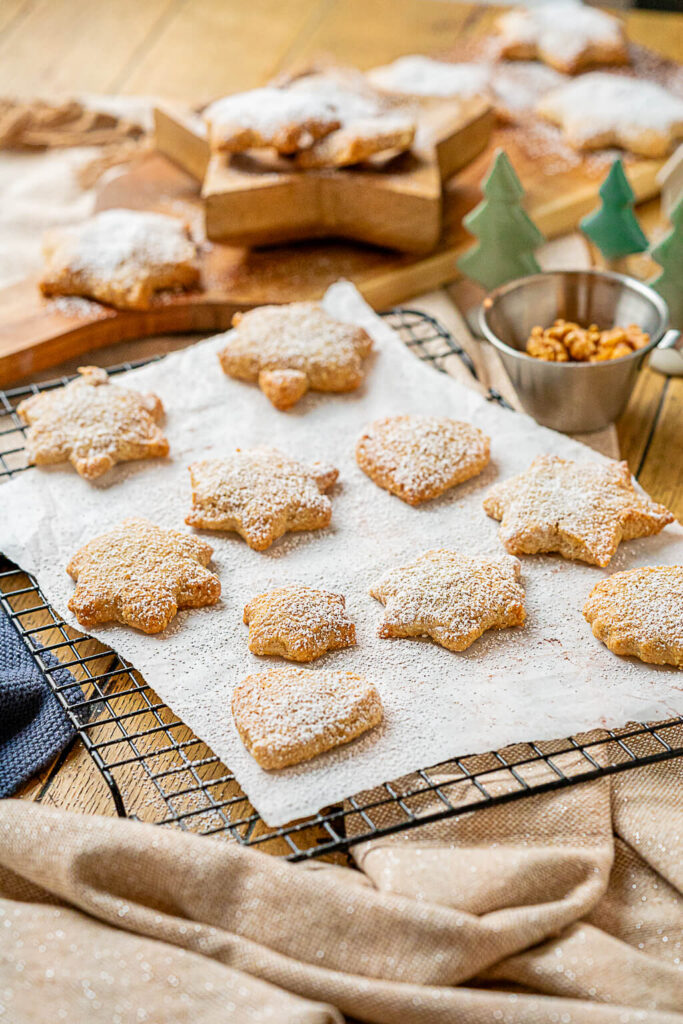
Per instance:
{"type": "Point", "coordinates": [669, 255]}
{"type": "Point", "coordinates": [507, 235]}
{"type": "Point", "coordinates": [614, 228]}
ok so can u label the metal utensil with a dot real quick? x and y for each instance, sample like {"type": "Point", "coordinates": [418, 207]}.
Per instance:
{"type": "Point", "coordinates": [574, 397]}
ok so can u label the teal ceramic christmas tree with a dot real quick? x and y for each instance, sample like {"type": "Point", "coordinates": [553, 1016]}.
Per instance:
{"type": "Point", "coordinates": [669, 255]}
{"type": "Point", "coordinates": [614, 228]}
{"type": "Point", "coordinates": [507, 235]}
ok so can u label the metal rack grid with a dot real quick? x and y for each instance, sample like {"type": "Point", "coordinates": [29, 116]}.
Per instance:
{"type": "Point", "coordinates": [158, 771]}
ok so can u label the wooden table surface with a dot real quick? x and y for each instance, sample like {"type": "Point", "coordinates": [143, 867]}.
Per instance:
{"type": "Point", "coordinates": [202, 48]}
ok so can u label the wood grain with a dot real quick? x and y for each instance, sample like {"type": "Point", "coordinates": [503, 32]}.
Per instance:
{"type": "Point", "coordinates": [197, 50]}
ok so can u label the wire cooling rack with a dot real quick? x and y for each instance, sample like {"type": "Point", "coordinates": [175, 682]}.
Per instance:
{"type": "Point", "coordinates": [158, 771]}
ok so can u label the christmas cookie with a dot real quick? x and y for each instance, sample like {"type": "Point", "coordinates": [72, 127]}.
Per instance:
{"type": "Point", "coordinates": [92, 424]}
{"type": "Point", "coordinates": [121, 257]}
{"type": "Point", "coordinates": [284, 119]}
{"type": "Point", "coordinates": [420, 77]}
{"type": "Point", "coordinates": [420, 457]}
{"type": "Point", "coordinates": [260, 494]}
{"type": "Point", "coordinates": [291, 349]}
{"type": "Point", "coordinates": [289, 715]}
{"type": "Point", "coordinates": [581, 510]}
{"type": "Point", "coordinates": [450, 597]}
{"type": "Point", "coordinates": [140, 574]}
{"type": "Point", "coordinates": [359, 140]}
{"type": "Point", "coordinates": [564, 34]}
{"type": "Point", "coordinates": [599, 109]}
{"type": "Point", "coordinates": [640, 612]}
{"type": "Point", "coordinates": [299, 623]}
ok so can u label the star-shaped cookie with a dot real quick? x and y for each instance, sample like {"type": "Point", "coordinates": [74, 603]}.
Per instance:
{"type": "Point", "coordinates": [298, 623]}
{"type": "Point", "coordinates": [289, 349]}
{"type": "Point", "coordinates": [141, 574]}
{"type": "Point", "coordinates": [565, 34]}
{"type": "Point", "coordinates": [121, 257]}
{"type": "Point", "coordinates": [450, 597]}
{"type": "Point", "coordinates": [260, 494]}
{"type": "Point", "coordinates": [420, 457]}
{"type": "Point", "coordinates": [93, 424]}
{"type": "Point", "coordinates": [599, 110]}
{"type": "Point", "coordinates": [640, 612]}
{"type": "Point", "coordinates": [292, 714]}
{"type": "Point", "coordinates": [286, 119]}
{"type": "Point", "coordinates": [581, 510]}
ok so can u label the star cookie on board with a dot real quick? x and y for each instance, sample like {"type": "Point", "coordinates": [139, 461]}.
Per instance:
{"type": "Point", "coordinates": [121, 257]}
{"type": "Point", "coordinates": [599, 110]}
{"type": "Point", "coordinates": [141, 574]}
{"type": "Point", "coordinates": [260, 494]}
{"type": "Point", "coordinates": [581, 510]}
{"type": "Point", "coordinates": [299, 623]}
{"type": "Point", "coordinates": [292, 714]}
{"type": "Point", "coordinates": [415, 76]}
{"type": "Point", "coordinates": [291, 349]}
{"type": "Point", "coordinates": [565, 34]}
{"type": "Point", "coordinates": [93, 424]}
{"type": "Point", "coordinates": [450, 597]}
{"type": "Point", "coordinates": [420, 457]}
{"type": "Point", "coordinates": [640, 612]}
{"type": "Point", "coordinates": [284, 119]}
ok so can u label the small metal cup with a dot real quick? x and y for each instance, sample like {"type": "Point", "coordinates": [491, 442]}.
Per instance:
{"type": "Point", "coordinates": [573, 397]}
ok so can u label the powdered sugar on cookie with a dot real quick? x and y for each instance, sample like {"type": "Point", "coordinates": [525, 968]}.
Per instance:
{"type": "Point", "coordinates": [640, 612]}
{"type": "Point", "coordinates": [299, 623]}
{"type": "Point", "coordinates": [419, 76]}
{"type": "Point", "coordinates": [286, 119]}
{"type": "Point", "coordinates": [564, 34]}
{"type": "Point", "coordinates": [121, 257]}
{"type": "Point", "coordinates": [601, 109]}
{"type": "Point", "coordinates": [290, 715]}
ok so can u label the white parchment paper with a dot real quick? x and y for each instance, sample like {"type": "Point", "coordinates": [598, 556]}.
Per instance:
{"type": "Point", "coordinates": [544, 681]}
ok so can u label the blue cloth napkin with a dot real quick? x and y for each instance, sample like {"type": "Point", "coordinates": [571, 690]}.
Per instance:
{"type": "Point", "coordinates": [34, 728]}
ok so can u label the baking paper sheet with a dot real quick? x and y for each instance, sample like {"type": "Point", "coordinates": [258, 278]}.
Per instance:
{"type": "Point", "coordinates": [544, 681]}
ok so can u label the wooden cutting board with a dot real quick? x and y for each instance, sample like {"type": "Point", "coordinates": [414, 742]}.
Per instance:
{"type": "Point", "coordinates": [561, 187]}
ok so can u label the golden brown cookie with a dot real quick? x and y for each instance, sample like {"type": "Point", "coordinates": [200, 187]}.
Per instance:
{"type": "Point", "coordinates": [292, 714]}
{"type": "Point", "coordinates": [93, 424]}
{"type": "Point", "coordinates": [564, 34]}
{"type": "Point", "coordinates": [299, 623]}
{"type": "Point", "coordinates": [260, 494]}
{"type": "Point", "coordinates": [289, 349]}
{"type": "Point", "coordinates": [121, 257]}
{"type": "Point", "coordinates": [141, 574]}
{"type": "Point", "coordinates": [640, 612]}
{"type": "Point", "coordinates": [450, 597]}
{"type": "Point", "coordinates": [420, 457]}
{"type": "Point", "coordinates": [284, 119]}
{"type": "Point", "coordinates": [359, 140]}
{"type": "Point", "coordinates": [581, 510]}
{"type": "Point", "coordinates": [599, 110]}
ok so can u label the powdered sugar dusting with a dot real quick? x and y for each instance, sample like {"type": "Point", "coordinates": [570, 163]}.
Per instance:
{"type": "Point", "coordinates": [423, 76]}
{"type": "Point", "coordinates": [564, 28]}
{"type": "Point", "coordinates": [541, 681]}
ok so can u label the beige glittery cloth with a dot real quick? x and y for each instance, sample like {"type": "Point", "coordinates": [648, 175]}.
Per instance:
{"type": "Point", "coordinates": [559, 908]}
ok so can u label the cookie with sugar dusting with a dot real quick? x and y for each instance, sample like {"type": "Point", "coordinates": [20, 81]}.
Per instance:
{"type": "Point", "coordinates": [260, 494]}
{"type": "Point", "coordinates": [418, 77]}
{"type": "Point", "coordinates": [360, 140]}
{"type": "Point", "coordinates": [640, 613]}
{"type": "Point", "coordinates": [285, 119]}
{"type": "Point", "coordinates": [93, 424]}
{"type": "Point", "coordinates": [141, 575]}
{"type": "Point", "coordinates": [599, 109]}
{"type": "Point", "coordinates": [565, 34]}
{"type": "Point", "coordinates": [293, 348]}
{"type": "Point", "coordinates": [419, 457]}
{"type": "Point", "coordinates": [451, 598]}
{"type": "Point", "coordinates": [581, 510]}
{"type": "Point", "coordinates": [120, 257]}
{"type": "Point", "coordinates": [299, 623]}
{"type": "Point", "coordinates": [289, 715]}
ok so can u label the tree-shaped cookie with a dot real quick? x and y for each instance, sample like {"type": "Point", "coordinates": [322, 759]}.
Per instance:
{"type": "Point", "coordinates": [669, 255]}
{"type": "Point", "coordinates": [613, 227]}
{"type": "Point", "coordinates": [507, 235]}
